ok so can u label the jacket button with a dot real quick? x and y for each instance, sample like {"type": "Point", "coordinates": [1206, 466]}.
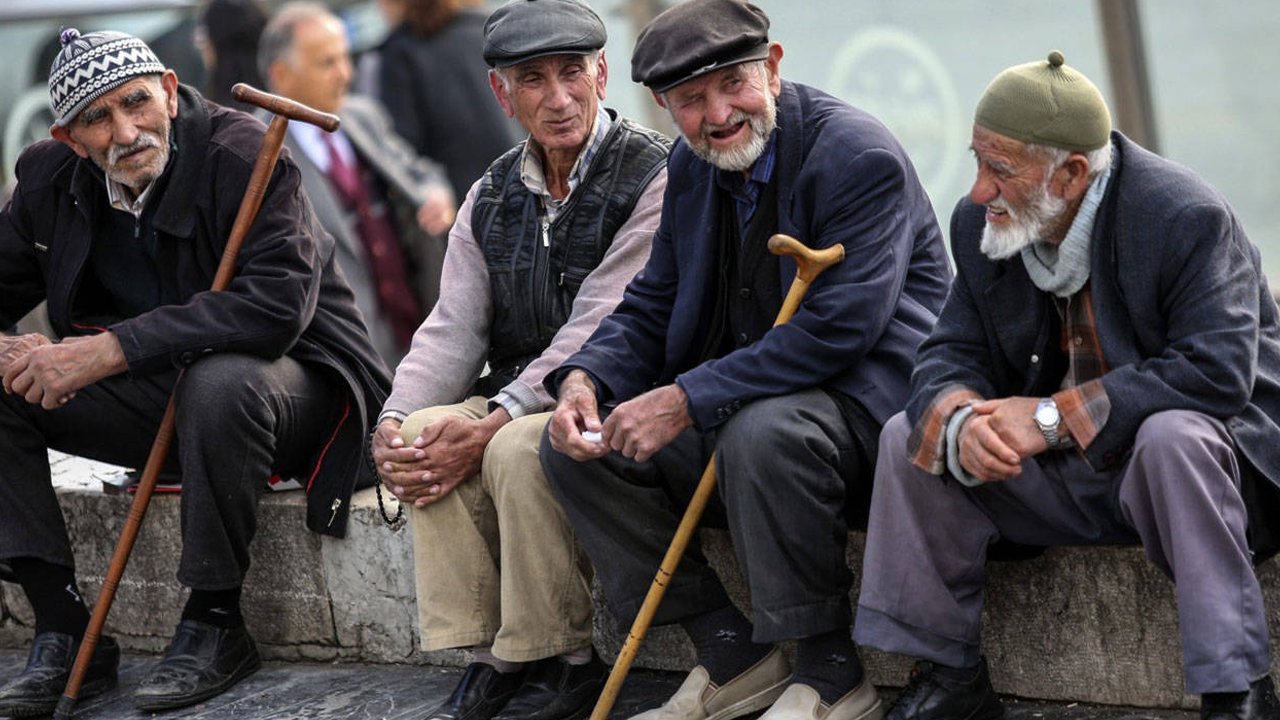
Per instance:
{"type": "Point", "coordinates": [745, 293]}
{"type": "Point", "coordinates": [187, 357]}
{"type": "Point", "coordinates": [1035, 359]}
{"type": "Point", "coordinates": [742, 339]}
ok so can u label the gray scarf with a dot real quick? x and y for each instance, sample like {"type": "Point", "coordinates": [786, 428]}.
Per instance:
{"type": "Point", "coordinates": [1063, 269]}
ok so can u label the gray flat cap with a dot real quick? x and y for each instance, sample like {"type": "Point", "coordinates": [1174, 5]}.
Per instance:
{"type": "Point", "coordinates": [525, 29]}
{"type": "Point", "coordinates": [697, 37]}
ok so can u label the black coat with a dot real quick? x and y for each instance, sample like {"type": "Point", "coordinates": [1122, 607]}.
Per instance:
{"type": "Point", "coordinates": [437, 91]}
{"type": "Point", "coordinates": [285, 299]}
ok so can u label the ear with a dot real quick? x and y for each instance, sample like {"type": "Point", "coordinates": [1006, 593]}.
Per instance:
{"type": "Point", "coordinates": [169, 81]}
{"type": "Point", "coordinates": [499, 92]}
{"type": "Point", "coordinates": [63, 135]}
{"type": "Point", "coordinates": [1071, 179]}
{"type": "Point", "coordinates": [602, 75]}
{"type": "Point", "coordinates": [771, 64]}
{"type": "Point", "coordinates": [657, 97]}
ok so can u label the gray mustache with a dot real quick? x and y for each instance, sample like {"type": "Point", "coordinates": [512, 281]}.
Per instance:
{"type": "Point", "coordinates": [145, 140]}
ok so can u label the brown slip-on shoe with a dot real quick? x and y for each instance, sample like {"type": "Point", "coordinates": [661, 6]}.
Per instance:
{"type": "Point", "coordinates": [801, 702]}
{"type": "Point", "coordinates": [700, 699]}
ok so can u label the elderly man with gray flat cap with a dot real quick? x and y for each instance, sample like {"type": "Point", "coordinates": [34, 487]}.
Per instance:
{"type": "Point", "coordinates": [690, 363]}
{"type": "Point", "coordinates": [1106, 370]}
{"type": "Point", "coordinates": [543, 246]}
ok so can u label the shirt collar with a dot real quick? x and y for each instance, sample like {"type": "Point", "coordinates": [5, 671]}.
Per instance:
{"type": "Point", "coordinates": [531, 171]}
{"type": "Point", "coordinates": [736, 184]}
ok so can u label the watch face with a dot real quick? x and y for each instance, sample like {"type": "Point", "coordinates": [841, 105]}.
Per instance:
{"type": "Point", "coordinates": [1047, 415]}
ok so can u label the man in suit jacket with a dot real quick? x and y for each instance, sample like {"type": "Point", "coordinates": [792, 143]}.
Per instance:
{"type": "Point", "coordinates": [1106, 370]}
{"type": "Point", "coordinates": [387, 208]}
{"type": "Point", "coordinates": [692, 363]}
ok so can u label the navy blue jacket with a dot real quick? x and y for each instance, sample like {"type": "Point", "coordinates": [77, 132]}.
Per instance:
{"type": "Point", "coordinates": [842, 178]}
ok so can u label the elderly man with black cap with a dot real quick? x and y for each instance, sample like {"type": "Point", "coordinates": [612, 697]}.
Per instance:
{"type": "Point", "coordinates": [543, 246]}
{"type": "Point", "coordinates": [119, 223]}
{"type": "Point", "coordinates": [1106, 370]}
{"type": "Point", "coordinates": [689, 363]}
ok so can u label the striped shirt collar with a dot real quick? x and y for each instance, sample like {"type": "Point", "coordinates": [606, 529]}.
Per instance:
{"type": "Point", "coordinates": [533, 177]}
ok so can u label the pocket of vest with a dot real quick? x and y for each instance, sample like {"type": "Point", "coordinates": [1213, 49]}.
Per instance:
{"type": "Point", "coordinates": [572, 278]}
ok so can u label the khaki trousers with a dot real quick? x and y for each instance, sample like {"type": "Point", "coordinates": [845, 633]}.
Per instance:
{"type": "Point", "coordinates": [495, 560]}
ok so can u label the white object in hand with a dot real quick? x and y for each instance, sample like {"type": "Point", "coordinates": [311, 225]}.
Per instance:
{"type": "Point", "coordinates": [592, 436]}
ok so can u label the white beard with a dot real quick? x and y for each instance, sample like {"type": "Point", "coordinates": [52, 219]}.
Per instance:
{"type": "Point", "coordinates": [742, 157]}
{"type": "Point", "coordinates": [1026, 225]}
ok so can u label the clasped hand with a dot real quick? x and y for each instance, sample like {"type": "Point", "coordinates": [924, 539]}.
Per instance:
{"type": "Point", "coordinates": [447, 452]}
{"type": "Point", "coordinates": [998, 437]}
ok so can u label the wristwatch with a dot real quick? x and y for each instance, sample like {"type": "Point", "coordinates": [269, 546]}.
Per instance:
{"type": "Point", "coordinates": [1047, 418]}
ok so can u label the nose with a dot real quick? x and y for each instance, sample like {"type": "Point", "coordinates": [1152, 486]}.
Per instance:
{"type": "Point", "coordinates": [558, 94]}
{"type": "Point", "coordinates": [984, 190]}
{"type": "Point", "coordinates": [124, 132]}
{"type": "Point", "coordinates": [719, 109]}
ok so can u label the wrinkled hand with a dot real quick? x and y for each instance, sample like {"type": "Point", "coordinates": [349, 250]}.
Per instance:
{"type": "Point", "coordinates": [50, 374]}
{"type": "Point", "coordinates": [999, 436]}
{"type": "Point", "coordinates": [13, 347]}
{"type": "Point", "coordinates": [438, 211]}
{"type": "Point", "coordinates": [447, 452]}
{"type": "Point", "coordinates": [645, 424]}
{"type": "Point", "coordinates": [398, 463]}
{"type": "Point", "coordinates": [577, 411]}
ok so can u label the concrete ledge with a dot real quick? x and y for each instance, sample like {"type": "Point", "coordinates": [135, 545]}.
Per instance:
{"type": "Point", "coordinates": [1087, 624]}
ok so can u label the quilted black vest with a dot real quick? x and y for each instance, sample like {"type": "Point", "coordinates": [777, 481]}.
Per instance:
{"type": "Point", "coordinates": [535, 270]}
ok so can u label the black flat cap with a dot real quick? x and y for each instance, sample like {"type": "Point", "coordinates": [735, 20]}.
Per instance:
{"type": "Point", "coordinates": [696, 37]}
{"type": "Point", "coordinates": [525, 29]}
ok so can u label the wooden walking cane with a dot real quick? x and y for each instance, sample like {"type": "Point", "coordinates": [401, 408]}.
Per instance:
{"type": "Point", "coordinates": [810, 264]}
{"type": "Point", "coordinates": [283, 109]}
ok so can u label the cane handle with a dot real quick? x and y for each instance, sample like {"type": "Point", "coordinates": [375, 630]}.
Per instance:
{"type": "Point", "coordinates": [809, 262]}
{"type": "Point", "coordinates": [284, 106]}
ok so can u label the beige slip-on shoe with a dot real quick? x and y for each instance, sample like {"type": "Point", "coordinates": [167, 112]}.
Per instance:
{"type": "Point", "coordinates": [700, 699]}
{"type": "Point", "coordinates": [801, 702]}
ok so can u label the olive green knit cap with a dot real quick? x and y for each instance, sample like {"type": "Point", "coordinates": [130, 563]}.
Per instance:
{"type": "Point", "coordinates": [1048, 103]}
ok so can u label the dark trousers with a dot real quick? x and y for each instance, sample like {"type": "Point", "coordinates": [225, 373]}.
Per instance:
{"type": "Point", "coordinates": [785, 467]}
{"type": "Point", "coordinates": [239, 419]}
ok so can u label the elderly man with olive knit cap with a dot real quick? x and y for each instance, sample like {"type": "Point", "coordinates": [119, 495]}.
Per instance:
{"type": "Point", "coordinates": [1106, 370]}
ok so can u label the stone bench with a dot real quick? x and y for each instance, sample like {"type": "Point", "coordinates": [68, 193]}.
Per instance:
{"type": "Point", "coordinates": [1086, 624]}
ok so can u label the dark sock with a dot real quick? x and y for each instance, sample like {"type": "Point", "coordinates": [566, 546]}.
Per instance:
{"type": "Point", "coordinates": [722, 639]}
{"type": "Point", "coordinates": [51, 590]}
{"type": "Point", "coordinates": [959, 674]}
{"type": "Point", "coordinates": [829, 664]}
{"type": "Point", "coordinates": [219, 608]}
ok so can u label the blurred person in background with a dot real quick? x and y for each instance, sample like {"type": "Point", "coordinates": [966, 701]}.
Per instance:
{"type": "Point", "coordinates": [432, 79]}
{"type": "Point", "coordinates": [387, 207]}
{"type": "Point", "coordinates": [227, 33]}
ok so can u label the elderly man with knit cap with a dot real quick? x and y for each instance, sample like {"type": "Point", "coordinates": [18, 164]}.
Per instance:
{"type": "Point", "coordinates": [118, 222]}
{"type": "Point", "coordinates": [543, 246]}
{"type": "Point", "coordinates": [1106, 370]}
{"type": "Point", "coordinates": [690, 363]}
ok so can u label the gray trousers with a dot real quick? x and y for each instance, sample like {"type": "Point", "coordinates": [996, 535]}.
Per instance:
{"type": "Point", "coordinates": [785, 466]}
{"type": "Point", "coordinates": [1178, 494]}
{"type": "Point", "coordinates": [239, 419]}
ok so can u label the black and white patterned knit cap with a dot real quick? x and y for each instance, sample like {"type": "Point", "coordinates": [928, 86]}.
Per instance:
{"type": "Point", "coordinates": [89, 66]}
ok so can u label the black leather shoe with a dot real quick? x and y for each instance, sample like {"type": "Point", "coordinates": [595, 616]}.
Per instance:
{"type": "Point", "coordinates": [202, 661]}
{"type": "Point", "coordinates": [555, 690]}
{"type": "Point", "coordinates": [480, 694]}
{"type": "Point", "coordinates": [37, 690]}
{"type": "Point", "coordinates": [931, 695]}
{"type": "Point", "coordinates": [1259, 703]}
